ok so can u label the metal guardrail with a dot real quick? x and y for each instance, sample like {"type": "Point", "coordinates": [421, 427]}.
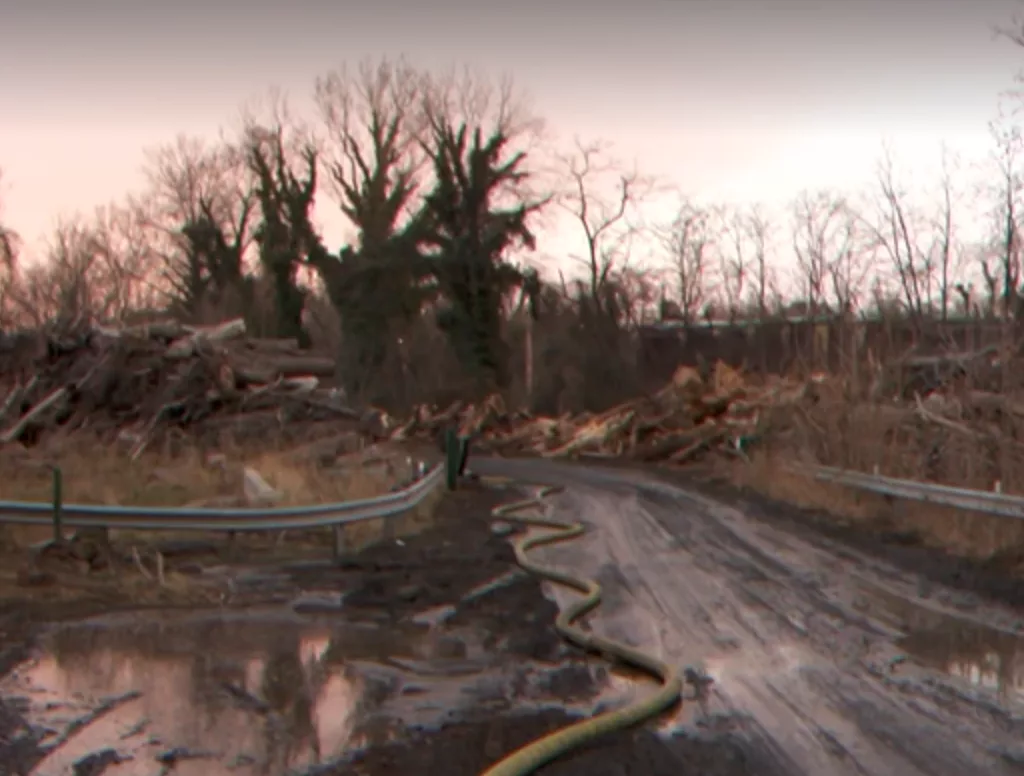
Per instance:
{"type": "Point", "coordinates": [60, 515]}
{"type": "Point", "coordinates": [988, 502]}
{"type": "Point", "coordinates": [232, 520]}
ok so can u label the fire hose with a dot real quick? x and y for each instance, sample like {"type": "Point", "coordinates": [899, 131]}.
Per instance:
{"type": "Point", "coordinates": [533, 755]}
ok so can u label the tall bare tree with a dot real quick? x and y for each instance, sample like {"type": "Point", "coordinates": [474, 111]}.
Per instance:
{"type": "Point", "coordinates": [690, 242]}
{"type": "Point", "coordinates": [945, 245]}
{"type": "Point", "coordinates": [1008, 156]}
{"type": "Point", "coordinates": [824, 242]}
{"type": "Point", "coordinates": [896, 232]}
{"type": "Point", "coordinates": [734, 258]}
{"type": "Point", "coordinates": [69, 285]}
{"type": "Point", "coordinates": [124, 261]}
{"type": "Point", "coordinates": [602, 198]}
{"type": "Point", "coordinates": [758, 230]}
{"type": "Point", "coordinates": [10, 244]}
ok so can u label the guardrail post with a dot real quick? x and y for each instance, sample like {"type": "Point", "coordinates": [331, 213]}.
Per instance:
{"type": "Point", "coordinates": [58, 505]}
{"type": "Point", "coordinates": [451, 458]}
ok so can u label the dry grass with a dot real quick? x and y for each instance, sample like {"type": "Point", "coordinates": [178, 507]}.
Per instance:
{"type": "Point", "coordinates": [943, 441]}
{"type": "Point", "coordinates": [107, 476]}
{"type": "Point", "coordinates": [968, 534]}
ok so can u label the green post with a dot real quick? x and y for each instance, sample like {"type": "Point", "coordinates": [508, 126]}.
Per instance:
{"type": "Point", "coordinates": [58, 505]}
{"type": "Point", "coordinates": [451, 455]}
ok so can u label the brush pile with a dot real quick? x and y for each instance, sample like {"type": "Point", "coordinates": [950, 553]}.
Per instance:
{"type": "Point", "coordinates": [688, 417]}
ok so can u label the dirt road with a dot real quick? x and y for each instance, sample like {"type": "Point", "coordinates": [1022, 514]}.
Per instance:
{"type": "Point", "coordinates": [824, 660]}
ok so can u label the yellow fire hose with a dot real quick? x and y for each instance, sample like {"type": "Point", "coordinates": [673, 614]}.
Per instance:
{"type": "Point", "coordinates": [532, 756]}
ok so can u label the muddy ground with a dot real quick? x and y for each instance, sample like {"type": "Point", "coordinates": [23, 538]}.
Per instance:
{"type": "Point", "coordinates": [831, 652]}
{"type": "Point", "coordinates": [828, 657]}
{"type": "Point", "coordinates": [396, 657]}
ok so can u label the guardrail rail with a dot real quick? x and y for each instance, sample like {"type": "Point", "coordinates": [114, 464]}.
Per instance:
{"type": "Point", "coordinates": [987, 502]}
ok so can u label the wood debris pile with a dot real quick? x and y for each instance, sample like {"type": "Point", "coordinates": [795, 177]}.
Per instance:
{"type": "Point", "coordinates": [136, 384]}
{"type": "Point", "coordinates": [688, 417]}
{"type": "Point", "coordinates": [136, 381]}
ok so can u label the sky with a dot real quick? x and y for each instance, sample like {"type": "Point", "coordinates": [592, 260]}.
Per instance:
{"type": "Point", "coordinates": [744, 100]}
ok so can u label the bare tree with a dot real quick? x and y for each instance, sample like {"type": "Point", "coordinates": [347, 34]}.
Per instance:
{"type": "Point", "coordinates": [733, 261]}
{"type": "Point", "coordinates": [639, 289]}
{"type": "Point", "coordinates": [944, 245]}
{"type": "Point", "coordinates": [68, 284]}
{"type": "Point", "coordinates": [1008, 156]}
{"type": "Point", "coordinates": [603, 200]}
{"type": "Point", "coordinates": [895, 232]}
{"type": "Point", "coordinates": [689, 242]}
{"type": "Point", "coordinates": [824, 241]}
{"type": "Point", "coordinates": [758, 230]}
{"type": "Point", "coordinates": [124, 261]}
{"type": "Point", "coordinates": [10, 244]}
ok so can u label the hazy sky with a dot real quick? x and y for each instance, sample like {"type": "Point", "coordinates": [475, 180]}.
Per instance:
{"type": "Point", "coordinates": [751, 99]}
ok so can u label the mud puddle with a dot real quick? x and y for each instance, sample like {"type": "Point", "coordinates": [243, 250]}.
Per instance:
{"type": "Point", "coordinates": [957, 645]}
{"type": "Point", "coordinates": [255, 692]}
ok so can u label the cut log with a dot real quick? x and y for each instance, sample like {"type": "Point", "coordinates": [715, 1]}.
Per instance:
{"type": "Point", "coordinates": [269, 369]}
{"type": "Point", "coordinates": [34, 415]}
{"type": "Point", "coordinates": [187, 346]}
{"type": "Point", "coordinates": [287, 346]}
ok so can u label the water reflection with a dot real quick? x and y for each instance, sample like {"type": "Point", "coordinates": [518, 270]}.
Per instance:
{"type": "Point", "coordinates": [984, 657]}
{"type": "Point", "coordinates": [240, 695]}
{"type": "Point", "coordinates": [958, 646]}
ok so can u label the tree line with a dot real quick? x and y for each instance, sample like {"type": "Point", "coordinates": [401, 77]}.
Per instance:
{"type": "Point", "coordinates": [446, 181]}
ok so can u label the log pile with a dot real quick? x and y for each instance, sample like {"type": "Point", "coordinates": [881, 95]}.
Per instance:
{"type": "Point", "coordinates": [135, 382]}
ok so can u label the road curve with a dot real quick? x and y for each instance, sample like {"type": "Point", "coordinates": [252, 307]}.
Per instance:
{"type": "Point", "coordinates": [800, 634]}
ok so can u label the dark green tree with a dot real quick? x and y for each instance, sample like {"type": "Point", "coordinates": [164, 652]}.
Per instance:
{"type": "Point", "coordinates": [284, 236]}
{"type": "Point", "coordinates": [377, 284]}
{"type": "Point", "coordinates": [469, 235]}
{"type": "Point", "coordinates": [212, 269]}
